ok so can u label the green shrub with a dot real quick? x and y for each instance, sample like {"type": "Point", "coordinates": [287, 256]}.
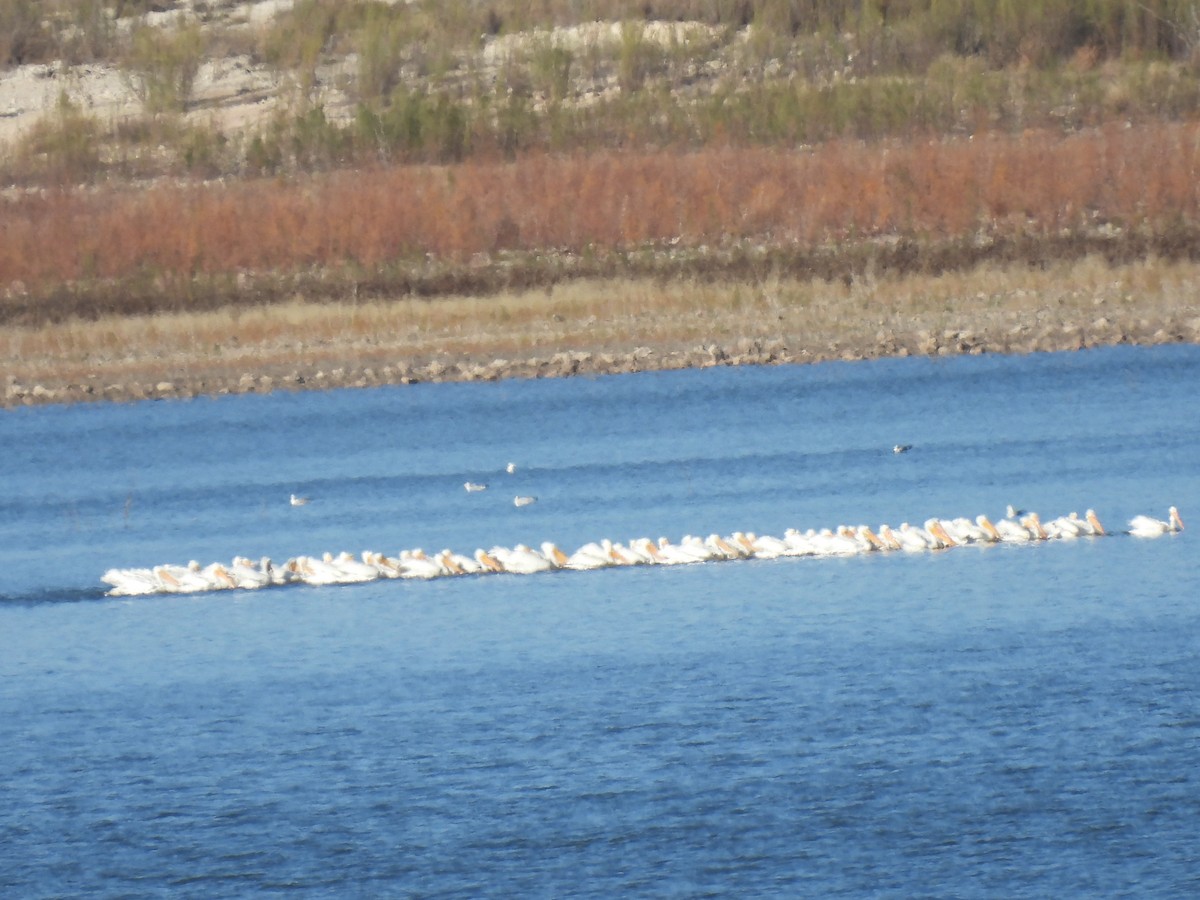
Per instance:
{"type": "Point", "coordinates": [162, 65]}
{"type": "Point", "coordinates": [63, 147]}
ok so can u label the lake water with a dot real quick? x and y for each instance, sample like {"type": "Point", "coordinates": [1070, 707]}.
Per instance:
{"type": "Point", "coordinates": [985, 721]}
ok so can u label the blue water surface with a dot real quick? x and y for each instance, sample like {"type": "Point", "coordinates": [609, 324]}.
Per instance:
{"type": "Point", "coordinates": [985, 721]}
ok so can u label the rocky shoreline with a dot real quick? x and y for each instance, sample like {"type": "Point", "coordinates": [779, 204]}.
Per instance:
{"type": "Point", "coordinates": [167, 380]}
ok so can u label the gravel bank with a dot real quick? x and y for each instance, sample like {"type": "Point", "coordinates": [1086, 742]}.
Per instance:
{"type": "Point", "coordinates": [355, 367]}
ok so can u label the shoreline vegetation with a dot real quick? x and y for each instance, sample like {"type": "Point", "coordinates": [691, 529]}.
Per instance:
{"type": "Point", "coordinates": [317, 194]}
{"type": "Point", "coordinates": [604, 326]}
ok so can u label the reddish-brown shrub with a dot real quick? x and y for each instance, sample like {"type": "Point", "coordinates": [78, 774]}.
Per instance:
{"type": "Point", "coordinates": [1039, 182]}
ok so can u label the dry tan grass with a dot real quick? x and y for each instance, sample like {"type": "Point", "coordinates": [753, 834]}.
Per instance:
{"type": "Point", "coordinates": [814, 319]}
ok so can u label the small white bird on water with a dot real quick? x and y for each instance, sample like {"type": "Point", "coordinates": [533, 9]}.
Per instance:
{"type": "Point", "coordinates": [523, 501]}
{"type": "Point", "coordinates": [298, 501]}
{"type": "Point", "coordinates": [902, 448]}
{"type": "Point", "coordinates": [510, 468]}
{"type": "Point", "coordinates": [473, 486]}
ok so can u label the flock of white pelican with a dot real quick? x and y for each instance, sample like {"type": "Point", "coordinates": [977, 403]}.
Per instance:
{"type": "Point", "coordinates": [845, 540]}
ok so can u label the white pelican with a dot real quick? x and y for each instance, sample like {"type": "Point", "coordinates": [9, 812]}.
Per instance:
{"type": "Point", "coordinates": [167, 582]}
{"type": "Point", "coordinates": [448, 564]}
{"type": "Point", "coordinates": [474, 486]}
{"type": "Point", "coordinates": [1011, 512]}
{"type": "Point", "coordinates": [218, 577]}
{"type": "Point", "coordinates": [1067, 527]}
{"type": "Point", "coordinates": [316, 571]}
{"type": "Point", "coordinates": [645, 550]}
{"type": "Point", "coordinates": [798, 544]}
{"type": "Point", "coordinates": [1012, 531]}
{"type": "Point", "coordinates": [841, 541]}
{"type": "Point", "coordinates": [723, 548]}
{"type": "Point", "coordinates": [556, 557]}
{"type": "Point", "coordinates": [523, 500]}
{"type": "Point", "coordinates": [129, 582]}
{"type": "Point", "coordinates": [459, 564]}
{"type": "Point", "coordinates": [1033, 524]}
{"type": "Point", "coordinates": [868, 541]}
{"type": "Point", "coordinates": [488, 562]}
{"type": "Point", "coordinates": [520, 560]}
{"type": "Point", "coordinates": [1094, 521]}
{"type": "Point", "coordinates": [891, 541]}
{"type": "Point", "coordinates": [624, 556]}
{"type": "Point", "coordinates": [353, 570]}
{"type": "Point", "coordinates": [744, 543]}
{"type": "Point", "coordinates": [387, 568]}
{"type": "Point", "coordinates": [943, 539]}
{"type": "Point", "coordinates": [590, 556]}
{"type": "Point", "coordinates": [299, 501]}
{"type": "Point", "coordinates": [993, 533]}
{"type": "Point", "coordinates": [688, 550]}
{"type": "Point", "coordinates": [964, 531]}
{"type": "Point", "coordinates": [187, 579]}
{"type": "Point", "coordinates": [913, 538]}
{"type": "Point", "coordinates": [416, 564]}
{"type": "Point", "coordinates": [250, 575]}
{"type": "Point", "coordinates": [1145, 526]}
{"type": "Point", "coordinates": [767, 546]}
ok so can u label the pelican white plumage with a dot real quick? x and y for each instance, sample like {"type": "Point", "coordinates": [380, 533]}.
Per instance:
{"type": "Point", "coordinates": [416, 564]}
{"type": "Point", "coordinates": [914, 539]}
{"type": "Point", "coordinates": [723, 549]}
{"type": "Point", "coordinates": [964, 531]}
{"type": "Point", "coordinates": [131, 582]}
{"type": "Point", "coordinates": [625, 556]}
{"type": "Point", "coordinates": [590, 556]}
{"type": "Point", "coordinates": [384, 565]}
{"type": "Point", "coordinates": [695, 546]}
{"type": "Point", "coordinates": [1148, 527]}
{"type": "Point", "coordinates": [460, 564]}
{"type": "Point", "coordinates": [167, 582]}
{"type": "Point", "coordinates": [685, 552]}
{"type": "Point", "coordinates": [353, 570]}
{"type": "Point", "coordinates": [488, 562]}
{"type": "Point", "coordinates": [249, 575]}
{"type": "Point", "coordinates": [316, 571]}
{"type": "Point", "coordinates": [189, 579]}
{"type": "Point", "coordinates": [941, 537]}
{"type": "Point", "coordinates": [891, 541]}
{"type": "Point", "coordinates": [520, 500]}
{"type": "Point", "coordinates": [767, 546]}
{"type": "Point", "coordinates": [798, 544]}
{"type": "Point", "coordinates": [1012, 531]}
{"type": "Point", "coordinates": [986, 524]}
{"type": "Point", "coordinates": [840, 542]}
{"type": "Point", "coordinates": [744, 543]}
{"type": "Point", "coordinates": [1033, 524]}
{"type": "Point", "coordinates": [867, 539]}
{"type": "Point", "coordinates": [219, 577]}
{"type": "Point", "coordinates": [646, 551]}
{"type": "Point", "coordinates": [473, 487]}
{"type": "Point", "coordinates": [520, 560]}
{"type": "Point", "coordinates": [553, 554]}
{"type": "Point", "coordinates": [1067, 528]}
